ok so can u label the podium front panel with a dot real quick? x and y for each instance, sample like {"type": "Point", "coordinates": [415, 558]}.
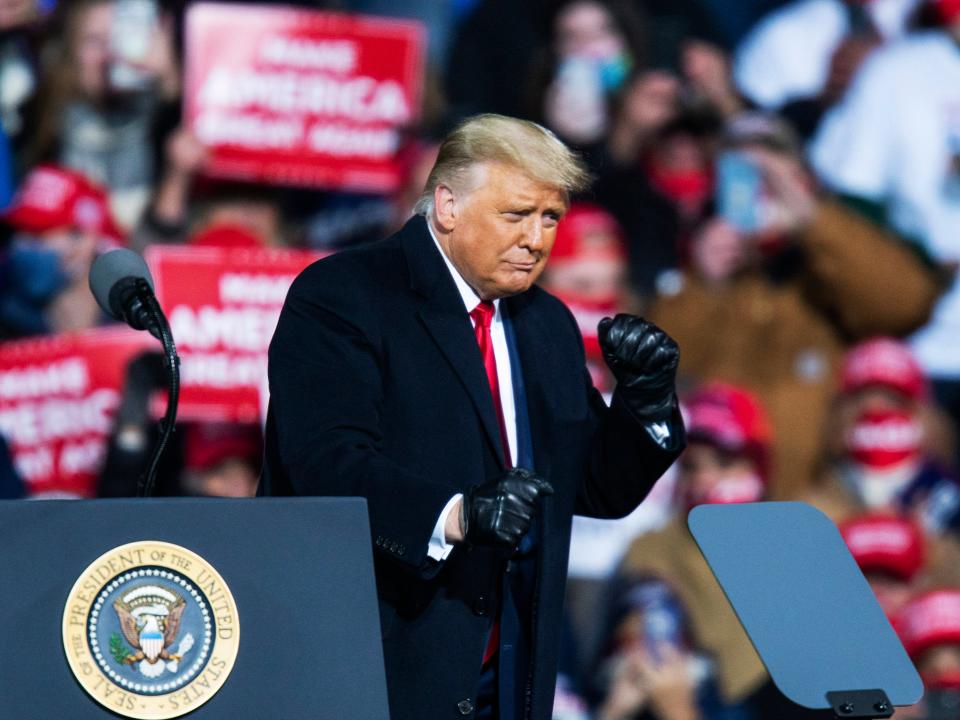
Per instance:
{"type": "Point", "coordinates": [300, 572]}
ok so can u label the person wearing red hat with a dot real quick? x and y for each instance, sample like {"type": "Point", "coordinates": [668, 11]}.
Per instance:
{"type": "Point", "coordinates": [880, 455]}
{"type": "Point", "coordinates": [892, 147]}
{"type": "Point", "coordinates": [726, 461]}
{"type": "Point", "coordinates": [890, 551]}
{"type": "Point", "coordinates": [60, 222]}
{"type": "Point", "coordinates": [929, 628]}
{"type": "Point", "coordinates": [222, 459]}
{"type": "Point", "coordinates": [588, 272]}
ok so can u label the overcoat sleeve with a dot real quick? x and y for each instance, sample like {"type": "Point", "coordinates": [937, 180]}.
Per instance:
{"type": "Point", "coordinates": [626, 454]}
{"type": "Point", "coordinates": [326, 381]}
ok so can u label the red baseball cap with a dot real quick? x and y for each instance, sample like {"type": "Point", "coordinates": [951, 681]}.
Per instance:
{"type": "Point", "coordinates": [885, 543]}
{"type": "Point", "coordinates": [586, 229]}
{"type": "Point", "coordinates": [883, 362]}
{"type": "Point", "coordinates": [226, 235]}
{"type": "Point", "coordinates": [53, 197]}
{"type": "Point", "coordinates": [727, 416]}
{"type": "Point", "coordinates": [929, 620]}
{"type": "Point", "coordinates": [208, 444]}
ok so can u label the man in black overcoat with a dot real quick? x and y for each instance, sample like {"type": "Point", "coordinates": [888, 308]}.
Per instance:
{"type": "Point", "coordinates": [430, 375]}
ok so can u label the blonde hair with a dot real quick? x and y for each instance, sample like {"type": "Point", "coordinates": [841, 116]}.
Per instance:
{"type": "Point", "coordinates": [521, 144]}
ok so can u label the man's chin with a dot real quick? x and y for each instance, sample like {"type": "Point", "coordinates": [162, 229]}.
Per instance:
{"type": "Point", "coordinates": [516, 283]}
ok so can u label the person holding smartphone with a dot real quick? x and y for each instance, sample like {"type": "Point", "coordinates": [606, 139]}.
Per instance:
{"type": "Point", "coordinates": [108, 76]}
{"type": "Point", "coordinates": [788, 281]}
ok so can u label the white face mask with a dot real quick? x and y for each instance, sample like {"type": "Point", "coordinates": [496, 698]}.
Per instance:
{"type": "Point", "coordinates": [878, 489]}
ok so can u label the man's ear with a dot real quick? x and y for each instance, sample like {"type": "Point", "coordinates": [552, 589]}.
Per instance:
{"type": "Point", "coordinates": [445, 210]}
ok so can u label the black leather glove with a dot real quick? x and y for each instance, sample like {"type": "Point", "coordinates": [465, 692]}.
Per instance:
{"type": "Point", "coordinates": [644, 360]}
{"type": "Point", "coordinates": [498, 513]}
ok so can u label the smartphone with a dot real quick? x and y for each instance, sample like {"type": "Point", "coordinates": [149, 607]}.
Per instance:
{"type": "Point", "coordinates": [134, 27]}
{"type": "Point", "coordinates": [739, 191]}
{"type": "Point", "coordinates": [662, 618]}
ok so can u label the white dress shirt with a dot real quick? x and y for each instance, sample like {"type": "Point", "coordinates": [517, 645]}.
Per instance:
{"type": "Point", "coordinates": [439, 548]}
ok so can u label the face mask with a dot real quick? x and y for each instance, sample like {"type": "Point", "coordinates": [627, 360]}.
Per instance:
{"type": "Point", "coordinates": [35, 271]}
{"type": "Point", "coordinates": [742, 488]}
{"type": "Point", "coordinates": [588, 313]}
{"type": "Point", "coordinates": [682, 187]}
{"type": "Point", "coordinates": [732, 488]}
{"type": "Point", "coordinates": [883, 439]}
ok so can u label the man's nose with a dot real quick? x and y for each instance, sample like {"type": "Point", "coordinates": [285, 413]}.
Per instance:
{"type": "Point", "coordinates": [533, 234]}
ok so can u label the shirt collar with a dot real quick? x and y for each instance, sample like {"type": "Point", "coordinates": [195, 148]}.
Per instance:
{"type": "Point", "coordinates": [469, 295]}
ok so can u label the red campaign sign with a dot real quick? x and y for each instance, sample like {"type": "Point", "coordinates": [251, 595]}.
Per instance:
{"type": "Point", "coordinates": [223, 305]}
{"type": "Point", "coordinates": [58, 397]}
{"type": "Point", "coordinates": [301, 97]}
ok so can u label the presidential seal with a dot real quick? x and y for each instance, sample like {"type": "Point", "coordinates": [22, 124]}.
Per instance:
{"type": "Point", "coordinates": [151, 630]}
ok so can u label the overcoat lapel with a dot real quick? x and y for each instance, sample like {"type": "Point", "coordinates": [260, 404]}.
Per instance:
{"type": "Point", "coordinates": [446, 319]}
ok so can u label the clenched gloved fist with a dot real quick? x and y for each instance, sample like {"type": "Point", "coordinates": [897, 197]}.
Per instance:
{"type": "Point", "coordinates": [644, 360]}
{"type": "Point", "coordinates": [498, 513]}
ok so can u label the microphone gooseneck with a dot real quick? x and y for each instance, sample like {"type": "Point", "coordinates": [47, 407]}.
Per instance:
{"type": "Point", "coordinates": [121, 282]}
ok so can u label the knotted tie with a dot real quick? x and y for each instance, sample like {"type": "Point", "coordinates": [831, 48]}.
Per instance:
{"type": "Point", "coordinates": [482, 317]}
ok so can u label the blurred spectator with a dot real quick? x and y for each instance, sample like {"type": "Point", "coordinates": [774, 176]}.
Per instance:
{"type": "Point", "coordinates": [706, 69]}
{"type": "Point", "coordinates": [490, 54]}
{"type": "Point", "coordinates": [596, 45]}
{"type": "Point", "coordinates": [772, 307]}
{"type": "Point", "coordinates": [930, 631]}
{"type": "Point", "coordinates": [672, 610]}
{"type": "Point", "coordinates": [21, 23]}
{"type": "Point", "coordinates": [802, 57]}
{"type": "Point", "coordinates": [418, 159]}
{"type": "Point", "coordinates": [96, 108]}
{"type": "Point", "coordinates": [185, 204]}
{"type": "Point", "coordinates": [212, 459]}
{"type": "Point", "coordinates": [136, 432]}
{"type": "Point", "coordinates": [11, 485]}
{"type": "Point", "coordinates": [588, 272]}
{"type": "Point", "coordinates": [660, 195]}
{"type": "Point", "coordinates": [222, 460]}
{"type": "Point", "coordinates": [61, 221]}
{"type": "Point", "coordinates": [650, 101]}
{"type": "Point", "coordinates": [883, 439]}
{"type": "Point", "coordinates": [893, 148]}
{"type": "Point", "coordinates": [890, 553]}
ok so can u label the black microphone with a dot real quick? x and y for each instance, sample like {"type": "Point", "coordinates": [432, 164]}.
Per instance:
{"type": "Point", "coordinates": [121, 282]}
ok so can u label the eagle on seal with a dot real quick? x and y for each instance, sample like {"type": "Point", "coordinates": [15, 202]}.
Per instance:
{"type": "Point", "coordinates": [151, 634]}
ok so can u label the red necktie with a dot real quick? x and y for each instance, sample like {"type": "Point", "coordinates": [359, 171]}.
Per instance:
{"type": "Point", "coordinates": [482, 317]}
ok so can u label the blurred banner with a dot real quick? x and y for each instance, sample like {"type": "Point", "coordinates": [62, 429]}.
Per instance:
{"type": "Point", "coordinates": [58, 396]}
{"type": "Point", "coordinates": [223, 306]}
{"type": "Point", "coordinates": [300, 97]}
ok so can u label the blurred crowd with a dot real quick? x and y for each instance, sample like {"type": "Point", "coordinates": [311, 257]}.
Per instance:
{"type": "Point", "coordinates": [777, 185]}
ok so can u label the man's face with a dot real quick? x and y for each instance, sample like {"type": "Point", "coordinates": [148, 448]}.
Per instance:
{"type": "Point", "coordinates": [502, 231]}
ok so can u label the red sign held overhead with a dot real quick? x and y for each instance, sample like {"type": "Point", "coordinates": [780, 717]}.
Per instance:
{"type": "Point", "coordinates": [302, 97]}
{"type": "Point", "coordinates": [58, 397]}
{"type": "Point", "coordinates": [223, 305]}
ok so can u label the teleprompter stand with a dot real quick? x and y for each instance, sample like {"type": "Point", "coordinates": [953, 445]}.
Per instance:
{"type": "Point", "coordinates": [806, 607]}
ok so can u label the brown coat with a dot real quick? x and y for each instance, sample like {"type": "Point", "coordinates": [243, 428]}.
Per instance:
{"type": "Point", "coordinates": [672, 555]}
{"type": "Point", "coordinates": [941, 565]}
{"type": "Point", "coordinates": [785, 341]}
